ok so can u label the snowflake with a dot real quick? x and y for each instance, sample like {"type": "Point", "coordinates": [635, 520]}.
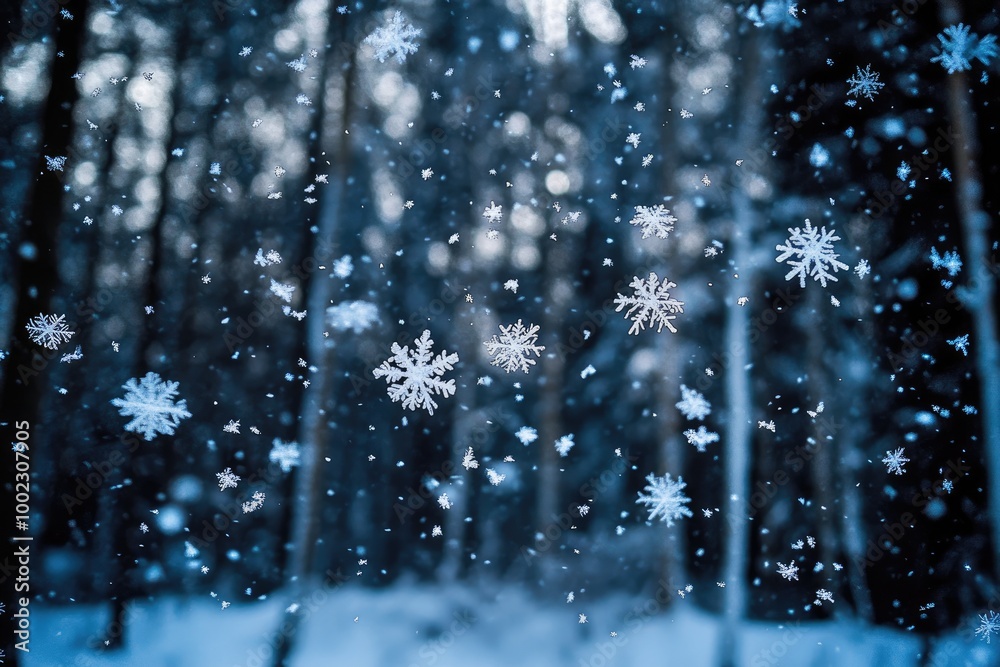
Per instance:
{"type": "Point", "coordinates": [700, 438]}
{"type": "Point", "coordinates": [951, 262]}
{"type": "Point", "coordinates": [493, 212]}
{"type": "Point", "coordinates": [469, 460]}
{"type": "Point", "coordinates": [227, 479]}
{"type": "Point", "coordinates": [959, 47]}
{"type": "Point", "coordinates": [150, 402]}
{"type": "Point", "coordinates": [894, 461]}
{"type": "Point", "coordinates": [865, 83]}
{"type": "Point", "coordinates": [285, 454]}
{"type": "Point", "coordinates": [436, 531]}
{"type": "Point", "coordinates": [863, 268]}
{"type": "Point", "coordinates": [232, 427]}
{"type": "Point", "coordinates": [49, 331]}
{"type": "Point", "coordinates": [823, 595]}
{"type": "Point", "coordinates": [582, 618]}
{"type": "Point", "coordinates": [444, 502]}
{"type": "Point", "coordinates": [961, 343]}
{"type": "Point", "coordinates": [693, 405]}
{"type": "Point", "coordinates": [564, 444]}
{"type": "Point", "coordinates": [419, 373]}
{"type": "Point", "coordinates": [282, 291]}
{"type": "Point", "coordinates": [654, 221]}
{"type": "Point", "coordinates": [143, 527]}
{"type": "Point", "coordinates": [635, 61]}
{"type": "Point", "coordinates": [989, 624]}
{"type": "Point", "coordinates": [813, 250]}
{"type": "Point", "coordinates": [494, 477]}
{"type": "Point", "coordinates": [426, 173]}
{"type": "Point", "coordinates": [665, 499]}
{"type": "Point", "coordinates": [256, 502]}
{"type": "Point", "coordinates": [55, 163]}
{"type": "Point", "coordinates": [512, 349]}
{"type": "Point", "coordinates": [633, 138]}
{"type": "Point", "coordinates": [652, 302]}
{"type": "Point", "coordinates": [647, 160]}
{"type": "Point", "coordinates": [299, 64]}
{"type": "Point", "coordinates": [394, 38]}
{"type": "Point", "coordinates": [354, 315]}
{"type": "Point", "coordinates": [789, 571]}
{"type": "Point", "coordinates": [526, 435]}
{"type": "Point", "coordinates": [511, 285]}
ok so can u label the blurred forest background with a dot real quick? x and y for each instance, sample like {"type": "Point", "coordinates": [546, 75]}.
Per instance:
{"type": "Point", "coordinates": [186, 153]}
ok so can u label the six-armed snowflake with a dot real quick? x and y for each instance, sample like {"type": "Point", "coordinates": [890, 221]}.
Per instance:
{"type": "Point", "coordinates": [813, 252]}
{"type": "Point", "coordinates": [513, 348]}
{"type": "Point", "coordinates": [651, 303]}
{"type": "Point", "coordinates": [664, 498]}
{"type": "Point", "coordinates": [150, 402]}
{"type": "Point", "coordinates": [50, 331]}
{"type": "Point", "coordinates": [414, 377]}
{"type": "Point", "coordinates": [653, 221]}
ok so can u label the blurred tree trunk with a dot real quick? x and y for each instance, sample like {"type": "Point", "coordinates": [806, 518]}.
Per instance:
{"type": "Point", "coordinates": [979, 294]}
{"type": "Point", "coordinates": [313, 434]}
{"type": "Point", "coordinates": [738, 437]}
{"type": "Point", "coordinates": [36, 266]}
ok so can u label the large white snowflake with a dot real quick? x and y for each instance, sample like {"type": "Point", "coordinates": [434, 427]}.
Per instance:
{"type": "Point", "coordinates": [150, 402]}
{"type": "Point", "coordinates": [665, 499]}
{"type": "Point", "coordinates": [49, 331]}
{"type": "Point", "coordinates": [692, 404]}
{"type": "Point", "coordinates": [654, 221]}
{"type": "Point", "coordinates": [417, 375]}
{"type": "Point", "coordinates": [813, 252]}
{"type": "Point", "coordinates": [394, 38]}
{"type": "Point", "coordinates": [652, 302]}
{"type": "Point", "coordinates": [513, 348]}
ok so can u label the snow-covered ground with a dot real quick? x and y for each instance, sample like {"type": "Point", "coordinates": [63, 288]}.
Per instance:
{"type": "Point", "coordinates": [421, 625]}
